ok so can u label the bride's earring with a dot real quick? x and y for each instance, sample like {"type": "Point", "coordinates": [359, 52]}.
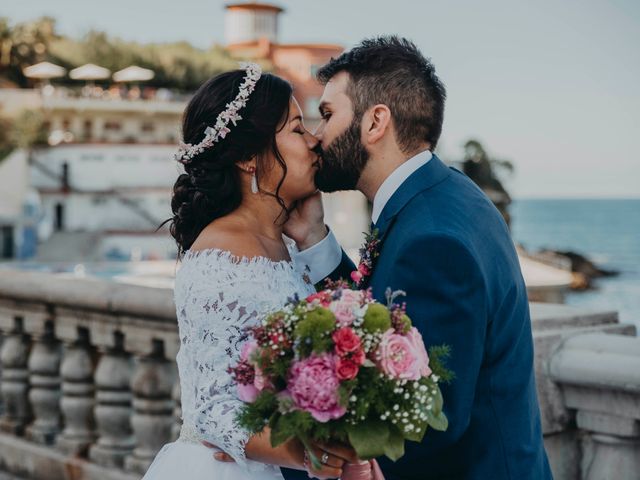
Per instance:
{"type": "Point", "coordinates": [254, 180]}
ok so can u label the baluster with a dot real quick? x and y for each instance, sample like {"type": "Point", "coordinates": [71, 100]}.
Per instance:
{"type": "Point", "coordinates": [15, 380]}
{"type": "Point", "coordinates": [77, 396]}
{"type": "Point", "coordinates": [44, 367]}
{"type": "Point", "coordinates": [113, 406]}
{"type": "Point", "coordinates": [152, 419]}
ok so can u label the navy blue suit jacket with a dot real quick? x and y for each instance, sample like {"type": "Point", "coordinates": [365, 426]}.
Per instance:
{"type": "Point", "coordinates": [448, 248]}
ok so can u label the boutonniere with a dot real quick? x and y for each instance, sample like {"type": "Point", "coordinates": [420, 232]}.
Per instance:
{"type": "Point", "coordinates": [368, 254]}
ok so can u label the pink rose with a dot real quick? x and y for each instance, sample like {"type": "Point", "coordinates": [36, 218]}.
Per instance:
{"type": "Point", "coordinates": [356, 276]}
{"type": "Point", "coordinates": [354, 296]}
{"type": "Point", "coordinates": [346, 341]}
{"type": "Point", "coordinates": [397, 357]}
{"type": "Point", "coordinates": [247, 350]}
{"type": "Point", "coordinates": [358, 357]}
{"type": "Point", "coordinates": [420, 350]}
{"type": "Point", "coordinates": [346, 369]}
{"type": "Point", "coordinates": [363, 269]}
{"type": "Point", "coordinates": [313, 386]}
{"type": "Point", "coordinates": [343, 312]}
{"type": "Point", "coordinates": [259, 381]}
{"type": "Point", "coordinates": [247, 393]}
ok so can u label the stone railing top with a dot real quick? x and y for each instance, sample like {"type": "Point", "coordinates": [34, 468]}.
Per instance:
{"type": "Point", "coordinates": [598, 360]}
{"type": "Point", "coordinates": [552, 316]}
{"type": "Point", "coordinates": [88, 293]}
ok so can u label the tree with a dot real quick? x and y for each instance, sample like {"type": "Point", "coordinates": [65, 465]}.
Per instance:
{"type": "Point", "coordinates": [5, 143]}
{"type": "Point", "coordinates": [22, 45]}
{"type": "Point", "coordinates": [24, 131]}
{"type": "Point", "coordinates": [483, 170]}
{"type": "Point", "coordinates": [177, 65]}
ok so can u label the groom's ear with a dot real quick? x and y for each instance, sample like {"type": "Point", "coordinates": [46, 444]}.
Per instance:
{"type": "Point", "coordinates": [376, 123]}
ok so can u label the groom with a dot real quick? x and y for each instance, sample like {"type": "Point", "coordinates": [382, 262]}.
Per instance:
{"type": "Point", "coordinates": [447, 247]}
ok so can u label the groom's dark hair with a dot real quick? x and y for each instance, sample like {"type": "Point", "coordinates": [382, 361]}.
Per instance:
{"type": "Point", "coordinates": [392, 71]}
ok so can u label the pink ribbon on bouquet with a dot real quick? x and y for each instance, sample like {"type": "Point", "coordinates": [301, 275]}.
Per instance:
{"type": "Point", "coordinates": [362, 471]}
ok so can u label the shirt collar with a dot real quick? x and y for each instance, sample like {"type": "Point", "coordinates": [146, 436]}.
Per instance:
{"type": "Point", "coordinates": [395, 180]}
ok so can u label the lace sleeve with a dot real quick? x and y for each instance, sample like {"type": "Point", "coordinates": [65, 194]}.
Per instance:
{"type": "Point", "coordinates": [217, 318]}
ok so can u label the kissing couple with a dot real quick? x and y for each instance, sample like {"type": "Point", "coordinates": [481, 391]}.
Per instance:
{"type": "Point", "coordinates": [248, 222]}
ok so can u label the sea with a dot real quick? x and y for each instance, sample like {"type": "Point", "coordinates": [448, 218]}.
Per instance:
{"type": "Point", "coordinates": [605, 231]}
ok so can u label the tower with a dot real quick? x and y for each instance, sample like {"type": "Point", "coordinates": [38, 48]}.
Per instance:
{"type": "Point", "coordinates": [251, 22]}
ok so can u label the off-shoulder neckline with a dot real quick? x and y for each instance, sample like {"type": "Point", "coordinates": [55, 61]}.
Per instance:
{"type": "Point", "coordinates": [233, 258]}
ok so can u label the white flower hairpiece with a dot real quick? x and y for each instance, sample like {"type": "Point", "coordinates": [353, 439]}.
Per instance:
{"type": "Point", "coordinates": [220, 129]}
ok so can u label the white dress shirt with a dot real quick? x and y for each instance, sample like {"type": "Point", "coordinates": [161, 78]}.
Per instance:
{"type": "Point", "coordinates": [324, 257]}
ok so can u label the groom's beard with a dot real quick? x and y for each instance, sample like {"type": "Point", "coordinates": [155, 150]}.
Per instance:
{"type": "Point", "coordinates": [342, 161]}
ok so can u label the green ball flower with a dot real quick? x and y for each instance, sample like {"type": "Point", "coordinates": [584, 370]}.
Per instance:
{"type": "Point", "coordinates": [405, 324]}
{"type": "Point", "coordinates": [315, 323]}
{"type": "Point", "coordinates": [377, 318]}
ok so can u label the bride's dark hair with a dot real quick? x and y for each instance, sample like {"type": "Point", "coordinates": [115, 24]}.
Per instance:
{"type": "Point", "coordinates": [210, 187]}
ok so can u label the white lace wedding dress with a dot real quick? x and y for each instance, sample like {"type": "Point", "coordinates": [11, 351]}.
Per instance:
{"type": "Point", "coordinates": [217, 295]}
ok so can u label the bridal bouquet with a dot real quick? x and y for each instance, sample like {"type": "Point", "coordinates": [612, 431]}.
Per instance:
{"type": "Point", "coordinates": [339, 366]}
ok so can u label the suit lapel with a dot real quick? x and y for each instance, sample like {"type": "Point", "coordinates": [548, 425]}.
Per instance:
{"type": "Point", "coordinates": [426, 177]}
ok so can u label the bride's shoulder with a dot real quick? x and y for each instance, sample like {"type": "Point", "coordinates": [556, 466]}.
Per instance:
{"type": "Point", "coordinates": [227, 236]}
{"type": "Point", "coordinates": [226, 254]}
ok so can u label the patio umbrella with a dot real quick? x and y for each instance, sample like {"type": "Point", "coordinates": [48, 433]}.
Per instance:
{"type": "Point", "coordinates": [44, 71]}
{"type": "Point", "coordinates": [90, 72]}
{"type": "Point", "coordinates": [133, 74]}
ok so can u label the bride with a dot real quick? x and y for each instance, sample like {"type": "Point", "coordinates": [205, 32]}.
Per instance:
{"type": "Point", "coordinates": [249, 179]}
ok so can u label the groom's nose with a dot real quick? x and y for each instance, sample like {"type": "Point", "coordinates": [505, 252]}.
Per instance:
{"type": "Point", "coordinates": [319, 131]}
{"type": "Point", "coordinates": [312, 141]}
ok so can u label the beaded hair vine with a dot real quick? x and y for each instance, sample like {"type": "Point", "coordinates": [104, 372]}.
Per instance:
{"type": "Point", "coordinates": [213, 134]}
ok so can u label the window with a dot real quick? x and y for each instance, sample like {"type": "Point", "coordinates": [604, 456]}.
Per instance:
{"type": "Point", "coordinates": [112, 125]}
{"type": "Point", "coordinates": [87, 129]}
{"type": "Point", "coordinates": [148, 127]}
{"type": "Point", "coordinates": [91, 157]}
{"type": "Point", "coordinates": [127, 158]}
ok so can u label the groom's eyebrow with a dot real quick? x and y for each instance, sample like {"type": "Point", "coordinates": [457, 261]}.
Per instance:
{"type": "Point", "coordinates": [324, 104]}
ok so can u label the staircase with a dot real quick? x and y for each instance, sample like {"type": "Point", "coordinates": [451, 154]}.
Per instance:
{"type": "Point", "coordinates": [70, 247]}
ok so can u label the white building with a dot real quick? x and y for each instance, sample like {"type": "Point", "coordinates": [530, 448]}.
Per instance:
{"type": "Point", "coordinates": [120, 191]}
{"type": "Point", "coordinates": [105, 182]}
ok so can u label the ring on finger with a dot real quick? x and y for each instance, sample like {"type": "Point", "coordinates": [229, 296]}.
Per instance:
{"type": "Point", "coordinates": [325, 458]}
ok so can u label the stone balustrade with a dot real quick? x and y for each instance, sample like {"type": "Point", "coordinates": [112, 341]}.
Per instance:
{"type": "Point", "coordinates": [88, 376]}
{"type": "Point", "coordinates": [89, 388]}
{"type": "Point", "coordinates": [599, 376]}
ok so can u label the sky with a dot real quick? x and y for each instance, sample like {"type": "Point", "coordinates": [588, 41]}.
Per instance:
{"type": "Point", "coordinates": [553, 86]}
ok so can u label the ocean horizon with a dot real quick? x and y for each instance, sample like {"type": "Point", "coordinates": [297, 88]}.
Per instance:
{"type": "Point", "coordinates": [605, 230]}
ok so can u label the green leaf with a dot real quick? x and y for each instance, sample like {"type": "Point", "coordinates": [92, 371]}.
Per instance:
{"type": "Point", "coordinates": [279, 434]}
{"type": "Point", "coordinates": [369, 439]}
{"type": "Point", "coordinates": [315, 461]}
{"type": "Point", "coordinates": [438, 422]}
{"type": "Point", "coordinates": [417, 434]}
{"type": "Point", "coordinates": [438, 402]}
{"type": "Point", "coordinates": [394, 448]}
{"type": "Point", "coordinates": [436, 417]}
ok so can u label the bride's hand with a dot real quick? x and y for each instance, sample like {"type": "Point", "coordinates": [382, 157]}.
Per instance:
{"type": "Point", "coordinates": [219, 455]}
{"type": "Point", "coordinates": [333, 459]}
{"type": "Point", "coordinates": [306, 222]}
